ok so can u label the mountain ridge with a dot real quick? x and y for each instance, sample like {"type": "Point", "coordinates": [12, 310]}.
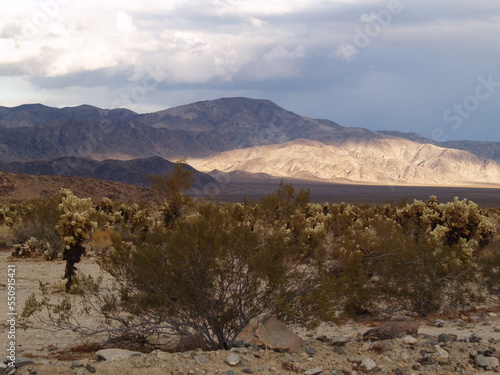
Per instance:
{"type": "Point", "coordinates": [206, 132]}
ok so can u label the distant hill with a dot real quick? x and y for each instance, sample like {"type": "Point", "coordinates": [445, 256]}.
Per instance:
{"type": "Point", "coordinates": [489, 150]}
{"type": "Point", "coordinates": [234, 134]}
{"type": "Point", "coordinates": [14, 187]}
{"type": "Point", "coordinates": [133, 172]}
{"type": "Point", "coordinates": [382, 161]}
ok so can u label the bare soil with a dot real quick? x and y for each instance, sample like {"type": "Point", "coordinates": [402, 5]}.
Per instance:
{"type": "Point", "coordinates": [56, 352]}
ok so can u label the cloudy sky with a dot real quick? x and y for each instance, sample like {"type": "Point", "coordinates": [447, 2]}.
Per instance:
{"type": "Point", "coordinates": [431, 67]}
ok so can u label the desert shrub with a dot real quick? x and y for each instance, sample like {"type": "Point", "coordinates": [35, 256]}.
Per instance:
{"type": "Point", "coordinates": [75, 226]}
{"type": "Point", "coordinates": [489, 262]}
{"type": "Point", "coordinates": [419, 258]}
{"type": "Point", "coordinates": [38, 219]}
{"type": "Point", "coordinates": [210, 271]}
{"type": "Point", "coordinates": [5, 236]}
{"type": "Point", "coordinates": [169, 188]}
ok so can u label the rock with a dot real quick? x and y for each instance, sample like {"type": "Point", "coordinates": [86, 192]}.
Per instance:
{"type": "Point", "coordinates": [367, 365]}
{"type": "Point", "coordinates": [111, 354]}
{"type": "Point", "coordinates": [410, 340]}
{"type": "Point", "coordinates": [232, 360]}
{"type": "Point", "coordinates": [482, 361]}
{"type": "Point", "coordinates": [160, 354]}
{"type": "Point", "coordinates": [314, 371]}
{"type": "Point", "coordinates": [201, 359]}
{"type": "Point", "coordinates": [447, 337]}
{"type": "Point", "coordinates": [494, 363]}
{"type": "Point", "coordinates": [338, 341]}
{"type": "Point", "coordinates": [7, 370]}
{"type": "Point", "coordinates": [310, 351]}
{"type": "Point", "coordinates": [442, 355]}
{"type": "Point", "coordinates": [267, 331]}
{"type": "Point", "coordinates": [438, 323]}
{"type": "Point", "coordinates": [338, 349]}
{"type": "Point", "coordinates": [322, 338]}
{"type": "Point", "coordinates": [395, 327]}
{"type": "Point", "coordinates": [475, 338]}
{"type": "Point", "coordinates": [191, 342]}
{"type": "Point", "coordinates": [460, 323]}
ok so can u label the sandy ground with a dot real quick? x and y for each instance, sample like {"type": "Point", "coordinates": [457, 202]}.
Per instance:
{"type": "Point", "coordinates": [49, 349]}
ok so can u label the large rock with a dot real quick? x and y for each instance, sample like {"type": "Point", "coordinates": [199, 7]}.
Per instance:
{"type": "Point", "coordinates": [266, 331]}
{"type": "Point", "coordinates": [398, 326]}
{"type": "Point", "coordinates": [112, 354]}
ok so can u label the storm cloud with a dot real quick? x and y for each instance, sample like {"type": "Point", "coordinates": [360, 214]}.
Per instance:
{"type": "Point", "coordinates": [402, 65]}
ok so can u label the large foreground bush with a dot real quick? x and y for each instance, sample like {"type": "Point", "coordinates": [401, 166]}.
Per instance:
{"type": "Point", "coordinates": [189, 265]}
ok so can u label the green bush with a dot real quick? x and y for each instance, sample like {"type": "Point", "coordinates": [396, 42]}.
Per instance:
{"type": "Point", "coordinates": [38, 219]}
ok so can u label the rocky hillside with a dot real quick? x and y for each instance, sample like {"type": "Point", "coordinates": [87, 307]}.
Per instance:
{"type": "Point", "coordinates": [249, 135]}
{"type": "Point", "coordinates": [382, 161]}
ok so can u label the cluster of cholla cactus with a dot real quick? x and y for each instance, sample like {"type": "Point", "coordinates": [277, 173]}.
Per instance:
{"type": "Point", "coordinates": [75, 226]}
{"type": "Point", "coordinates": [7, 215]}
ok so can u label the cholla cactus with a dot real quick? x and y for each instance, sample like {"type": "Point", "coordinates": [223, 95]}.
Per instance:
{"type": "Point", "coordinates": [75, 226]}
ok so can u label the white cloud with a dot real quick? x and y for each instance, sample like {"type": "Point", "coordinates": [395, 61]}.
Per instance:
{"type": "Point", "coordinates": [124, 23]}
{"type": "Point", "coordinates": [241, 46]}
{"type": "Point", "coordinates": [346, 52]}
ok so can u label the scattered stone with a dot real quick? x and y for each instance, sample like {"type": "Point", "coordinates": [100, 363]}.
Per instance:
{"type": "Point", "coordinates": [201, 359]}
{"type": "Point", "coordinates": [494, 363]}
{"type": "Point", "coordinates": [111, 354]}
{"type": "Point", "coordinates": [314, 371]}
{"type": "Point", "coordinates": [191, 342]}
{"type": "Point", "coordinates": [79, 363]}
{"type": "Point", "coordinates": [460, 323]}
{"type": "Point", "coordinates": [438, 323]}
{"type": "Point", "coordinates": [482, 361]}
{"type": "Point", "coordinates": [426, 361]}
{"type": "Point", "coordinates": [248, 371]}
{"type": "Point", "coordinates": [447, 337]}
{"type": "Point", "coordinates": [395, 327]}
{"type": "Point", "coordinates": [163, 355]}
{"type": "Point", "coordinates": [442, 355]}
{"type": "Point", "coordinates": [338, 349]}
{"type": "Point", "coordinates": [322, 338]}
{"type": "Point", "coordinates": [475, 338]}
{"type": "Point", "coordinates": [339, 341]}
{"type": "Point", "coordinates": [367, 365]}
{"type": "Point", "coordinates": [21, 362]}
{"type": "Point", "coordinates": [267, 331]}
{"type": "Point", "coordinates": [6, 370]}
{"type": "Point", "coordinates": [310, 351]}
{"type": "Point", "coordinates": [410, 340]}
{"type": "Point", "coordinates": [232, 360]}
{"type": "Point", "coordinates": [90, 368]}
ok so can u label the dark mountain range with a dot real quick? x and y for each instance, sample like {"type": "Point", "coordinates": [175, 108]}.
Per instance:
{"type": "Point", "coordinates": [28, 115]}
{"type": "Point", "coordinates": [238, 134]}
{"type": "Point", "coordinates": [133, 172]}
